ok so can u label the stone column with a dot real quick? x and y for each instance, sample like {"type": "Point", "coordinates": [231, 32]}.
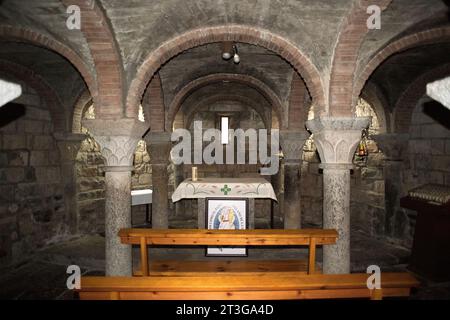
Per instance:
{"type": "Point", "coordinates": [159, 146]}
{"type": "Point", "coordinates": [118, 140]}
{"type": "Point", "coordinates": [394, 148]}
{"type": "Point", "coordinates": [69, 144]}
{"type": "Point", "coordinates": [292, 143]}
{"type": "Point", "coordinates": [336, 140]}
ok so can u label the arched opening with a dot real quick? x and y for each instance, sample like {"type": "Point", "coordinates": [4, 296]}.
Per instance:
{"type": "Point", "coordinates": [90, 180]}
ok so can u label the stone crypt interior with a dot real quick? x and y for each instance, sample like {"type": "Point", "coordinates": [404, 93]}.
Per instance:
{"type": "Point", "coordinates": [358, 131]}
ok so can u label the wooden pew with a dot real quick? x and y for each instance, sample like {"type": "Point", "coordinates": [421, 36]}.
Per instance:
{"type": "Point", "coordinates": [265, 287]}
{"type": "Point", "coordinates": [204, 237]}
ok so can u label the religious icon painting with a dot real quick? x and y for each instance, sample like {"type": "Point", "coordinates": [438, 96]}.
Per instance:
{"type": "Point", "coordinates": [226, 214]}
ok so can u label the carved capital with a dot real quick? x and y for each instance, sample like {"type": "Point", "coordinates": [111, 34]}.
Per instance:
{"type": "Point", "coordinates": [159, 145]}
{"type": "Point", "coordinates": [337, 138]}
{"type": "Point", "coordinates": [394, 146]}
{"type": "Point", "coordinates": [292, 143]}
{"type": "Point", "coordinates": [117, 138]}
{"type": "Point", "coordinates": [69, 144]}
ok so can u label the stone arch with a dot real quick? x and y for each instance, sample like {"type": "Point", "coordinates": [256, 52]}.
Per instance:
{"type": "Point", "coordinates": [238, 33]}
{"type": "Point", "coordinates": [379, 104]}
{"type": "Point", "coordinates": [436, 35]}
{"type": "Point", "coordinates": [215, 98]}
{"type": "Point", "coordinates": [56, 108]}
{"type": "Point", "coordinates": [239, 78]}
{"type": "Point", "coordinates": [17, 34]}
{"type": "Point", "coordinates": [82, 102]}
{"type": "Point", "coordinates": [404, 107]}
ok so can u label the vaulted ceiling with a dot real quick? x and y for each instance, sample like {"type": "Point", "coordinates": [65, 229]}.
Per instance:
{"type": "Point", "coordinates": [141, 26]}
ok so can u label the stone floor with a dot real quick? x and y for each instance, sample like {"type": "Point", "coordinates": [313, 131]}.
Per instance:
{"type": "Point", "coordinates": [44, 275]}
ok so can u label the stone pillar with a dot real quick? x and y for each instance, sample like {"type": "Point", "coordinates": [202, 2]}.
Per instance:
{"type": "Point", "coordinates": [292, 143]}
{"type": "Point", "coordinates": [394, 148]}
{"type": "Point", "coordinates": [179, 178]}
{"type": "Point", "coordinates": [336, 140]}
{"type": "Point", "coordinates": [69, 144]}
{"type": "Point", "coordinates": [159, 146]}
{"type": "Point", "coordinates": [118, 141]}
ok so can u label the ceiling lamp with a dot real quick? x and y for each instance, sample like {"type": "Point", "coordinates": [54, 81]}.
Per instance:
{"type": "Point", "coordinates": [227, 50]}
{"type": "Point", "coordinates": [236, 57]}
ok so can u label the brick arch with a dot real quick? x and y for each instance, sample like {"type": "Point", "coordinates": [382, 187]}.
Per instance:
{"type": "Point", "coordinates": [405, 105]}
{"type": "Point", "coordinates": [18, 34]}
{"type": "Point", "coordinates": [237, 98]}
{"type": "Point", "coordinates": [43, 89]}
{"type": "Point", "coordinates": [239, 78]}
{"type": "Point", "coordinates": [436, 35]}
{"type": "Point", "coordinates": [83, 101]}
{"type": "Point", "coordinates": [96, 28]}
{"type": "Point", "coordinates": [237, 33]}
{"type": "Point", "coordinates": [351, 35]}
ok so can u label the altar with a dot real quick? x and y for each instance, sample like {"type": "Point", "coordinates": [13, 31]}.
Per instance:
{"type": "Point", "coordinates": [203, 188]}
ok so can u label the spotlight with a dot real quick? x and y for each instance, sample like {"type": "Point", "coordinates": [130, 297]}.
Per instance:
{"type": "Point", "coordinates": [236, 58]}
{"type": "Point", "coordinates": [227, 50]}
{"type": "Point", "coordinates": [226, 56]}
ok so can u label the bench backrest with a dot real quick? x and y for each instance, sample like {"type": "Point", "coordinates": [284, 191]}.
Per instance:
{"type": "Point", "coordinates": [228, 237]}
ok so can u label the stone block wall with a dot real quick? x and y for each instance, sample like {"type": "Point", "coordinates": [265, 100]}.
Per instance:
{"type": "Point", "coordinates": [367, 202]}
{"type": "Point", "coordinates": [311, 186]}
{"type": "Point", "coordinates": [427, 160]}
{"type": "Point", "coordinates": [32, 209]}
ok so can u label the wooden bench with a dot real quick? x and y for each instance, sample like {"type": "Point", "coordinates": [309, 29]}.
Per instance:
{"type": "Point", "coordinates": [203, 237]}
{"type": "Point", "coordinates": [266, 287]}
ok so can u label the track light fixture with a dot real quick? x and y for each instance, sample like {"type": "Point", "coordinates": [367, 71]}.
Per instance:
{"type": "Point", "coordinates": [229, 50]}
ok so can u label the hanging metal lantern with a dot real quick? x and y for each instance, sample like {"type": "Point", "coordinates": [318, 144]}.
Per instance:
{"type": "Point", "coordinates": [362, 152]}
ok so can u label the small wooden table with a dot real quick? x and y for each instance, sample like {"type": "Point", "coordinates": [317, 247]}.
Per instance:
{"type": "Point", "coordinates": [204, 237]}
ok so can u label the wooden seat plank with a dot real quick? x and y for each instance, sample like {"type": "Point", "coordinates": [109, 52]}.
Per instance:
{"type": "Point", "coordinates": [246, 287]}
{"type": "Point", "coordinates": [225, 268]}
{"type": "Point", "coordinates": [329, 281]}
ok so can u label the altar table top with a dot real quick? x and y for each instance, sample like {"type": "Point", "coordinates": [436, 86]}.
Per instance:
{"type": "Point", "coordinates": [224, 188]}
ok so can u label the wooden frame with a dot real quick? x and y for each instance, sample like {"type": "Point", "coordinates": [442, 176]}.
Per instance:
{"type": "Point", "coordinates": [228, 251]}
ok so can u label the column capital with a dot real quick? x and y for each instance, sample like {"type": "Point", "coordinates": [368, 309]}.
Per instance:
{"type": "Point", "coordinates": [118, 140]}
{"type": "Point", "coordinates": [393, 145]}
{"type": "Point", "coordinates": [292, 142]}
{"type": "Point", "coordinates": [68, 144]}
{"type": "Point", "coordinates": [159, 145]}
{"type": "Point", "coordinates": [336, 138]}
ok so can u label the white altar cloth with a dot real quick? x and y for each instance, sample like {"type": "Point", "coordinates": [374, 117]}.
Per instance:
{"type": "Point", "coordinates": [224, 188]}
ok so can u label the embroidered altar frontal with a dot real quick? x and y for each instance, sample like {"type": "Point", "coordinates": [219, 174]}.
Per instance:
{"type": "Point", "coordinates": [224, 188]}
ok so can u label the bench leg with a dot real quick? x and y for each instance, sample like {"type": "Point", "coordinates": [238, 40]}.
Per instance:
{"type": "Point", "coordinates": [376, 294]}
{"type": "Point", "coordinates": [144, 257]}
{"type": "Point", "coordinates": [312, 256]}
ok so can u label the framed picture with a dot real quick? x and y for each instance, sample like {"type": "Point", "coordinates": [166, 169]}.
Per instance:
{"type": "Point", "coordinates": [229, 214]}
